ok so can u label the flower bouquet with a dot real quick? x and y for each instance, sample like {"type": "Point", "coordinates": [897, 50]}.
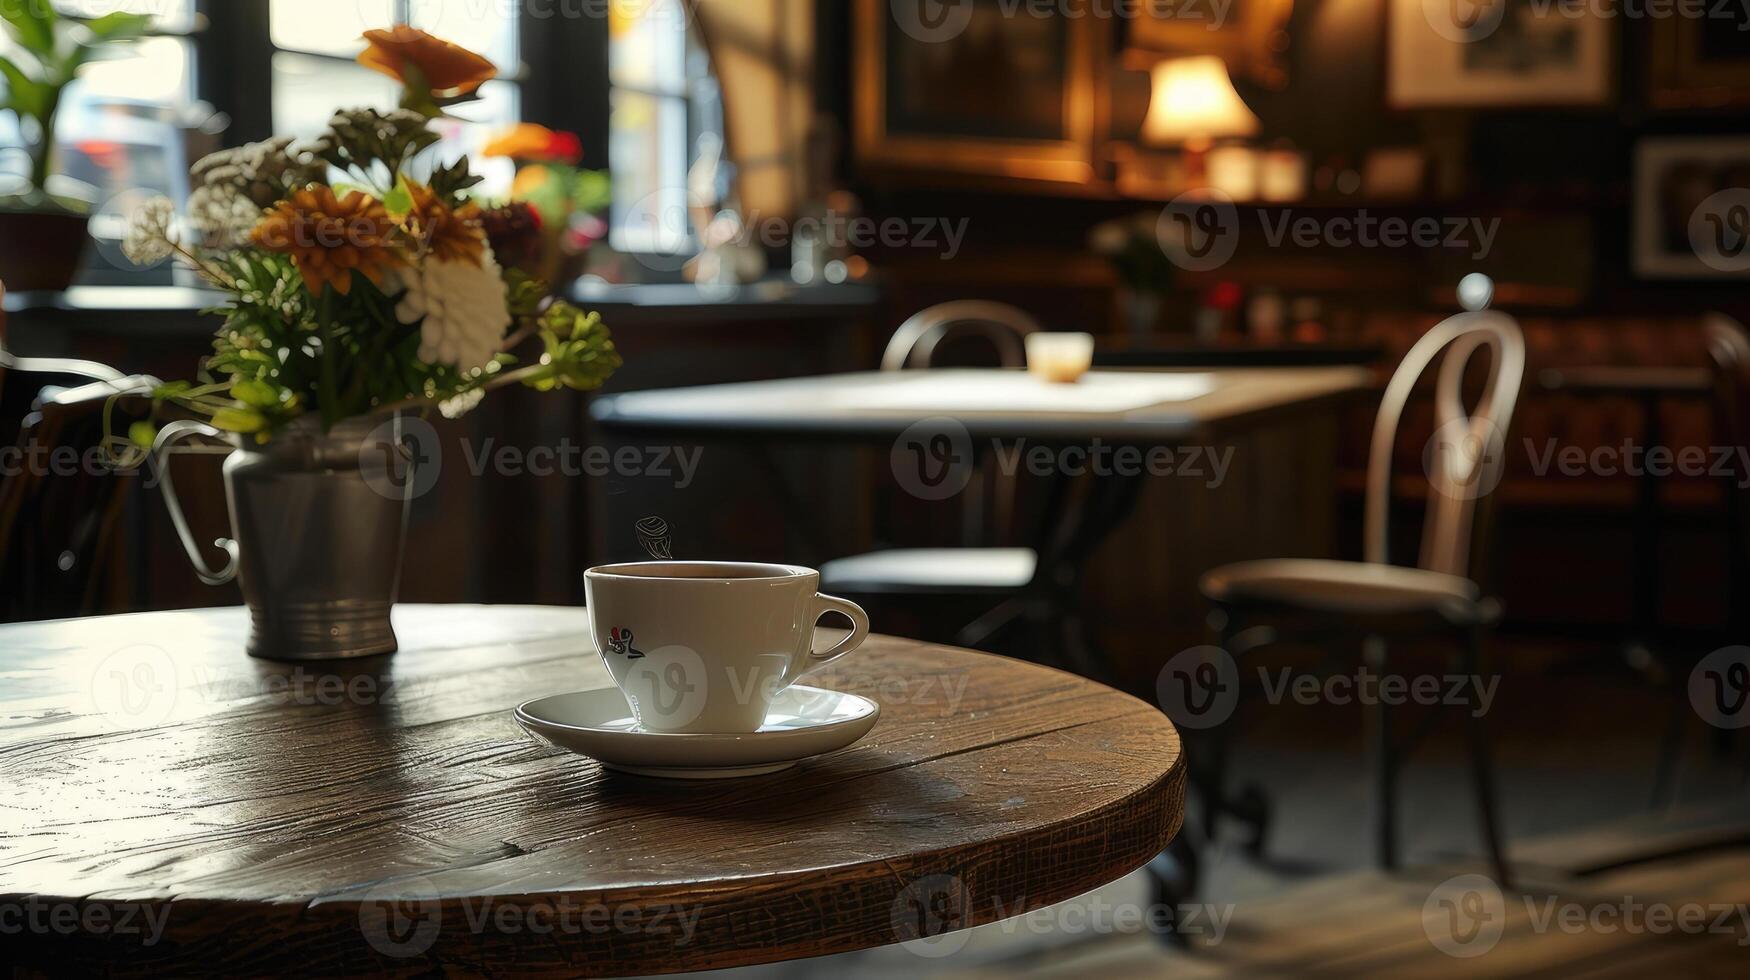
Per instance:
{"type": "Point", "coordinates": [364, 288]}
{"type": "Point", "coordinates": [568, 199]}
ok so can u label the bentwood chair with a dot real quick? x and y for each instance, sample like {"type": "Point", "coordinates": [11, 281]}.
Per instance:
{"type": "Point", "coordinates": [977, 568]}
{"type": "Point", "coordinates": [1374, 600]}
{"type": "Point", "coordinates": [60, 509]}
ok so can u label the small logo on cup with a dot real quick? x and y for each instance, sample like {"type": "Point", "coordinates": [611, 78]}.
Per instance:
{"type": "Point", "coordinates": [401, 458]}
{"type": "Point", "coordinates": [929, 916]}
{"type": "Point", "coordinates": [1199, 230]}
{"type": "Point", "coordinates": [932, 21]}
{"type": "Point", "coordinates": [401, 918]}
{"type": "Point", "coordinates": [1199, 687]}
{"type": "Point", "coordinates": [932, 459]}
{"type": "Point", "coordinates": [1719, 687]}
{"type": "Point", "coordinates": [620, 642]}
{"type": "Point", "coordinates": [1464, 916]}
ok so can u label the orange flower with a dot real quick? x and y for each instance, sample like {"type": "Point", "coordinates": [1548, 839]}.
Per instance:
{"type": "Point", "coordinates": [448, 70]}
{"type": "Point", "coordinates": [329, 237]}
{"type": "Point", "coordinates": [448, 234]}
{"type": "Point", "coordinates": [533, 142]}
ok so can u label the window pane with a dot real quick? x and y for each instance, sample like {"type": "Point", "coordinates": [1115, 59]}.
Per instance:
{"type": "Point", "coordinates": [649, 149]}
{"type": "Point", "coordinates": [647, 45]}
{"type": "Point", "coordinates": [486, 26]}
{"type": "Point", "coordinates": [477, 123]}
{"type": "Point", "coordinates": [326, 26]}
{"type": "Point", "coordinates": [167, 15]}
{"type": "Point", "coordinates": [307, 91]}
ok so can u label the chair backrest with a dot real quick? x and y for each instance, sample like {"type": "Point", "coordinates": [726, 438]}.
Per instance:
{"type": "Point", "coordinates": [914, 344]}
{"type": "Point", "coordinates": [1465, 457]}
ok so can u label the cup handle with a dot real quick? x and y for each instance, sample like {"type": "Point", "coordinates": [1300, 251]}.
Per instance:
{"type": "Point", "coordinates": [168, 437]}
{"type": "Point", "coordinates": [824, 604]}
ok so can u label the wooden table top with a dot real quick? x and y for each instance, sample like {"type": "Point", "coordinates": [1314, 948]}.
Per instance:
{"type": "Point", "coordinates": [172, 805]}
{"type": "Point", "coordinates": [858, 405]}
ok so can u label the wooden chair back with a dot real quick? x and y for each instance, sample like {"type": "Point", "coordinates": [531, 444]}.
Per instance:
{"type": "Point", "coordinates": [1465, 457]}
{"type": "Point", "coordinates": [915, 343]}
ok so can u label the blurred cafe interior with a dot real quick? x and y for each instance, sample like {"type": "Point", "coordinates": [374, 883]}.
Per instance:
{"type": "Point", "coordinates": [1326, 423]}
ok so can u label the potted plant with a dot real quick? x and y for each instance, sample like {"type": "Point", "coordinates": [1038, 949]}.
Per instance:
{"type": "Point", "coordinates": [43, 236]}
{"type": "Point", "coordinates": [356, 304]}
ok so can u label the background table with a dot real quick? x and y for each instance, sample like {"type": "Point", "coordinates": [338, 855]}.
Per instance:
{"type": "Point", "coordinates": [389, 814]}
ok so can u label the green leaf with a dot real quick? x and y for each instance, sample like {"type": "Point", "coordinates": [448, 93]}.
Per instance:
{"type": "Point", "coordinates": [256, 394]}
{"type": "Point", "coordinates": [398, 201]}
{"type": "Point", "coordinates": [238, 420]}
{"type": "Point", "coordinates": [31, 23]}
{"type": "Point", "coordinates": [24, 95]}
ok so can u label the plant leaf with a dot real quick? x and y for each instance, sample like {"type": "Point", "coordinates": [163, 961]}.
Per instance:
{"type": "Point", "coordinates": [32, 24]}
{"type": "Point", "coordinates": [117, 26]}
{"type": "Point", "coordinates": [24, 95]}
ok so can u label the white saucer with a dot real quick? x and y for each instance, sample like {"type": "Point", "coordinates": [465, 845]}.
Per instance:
{"type": "Point", "coordinates": [803, 722]}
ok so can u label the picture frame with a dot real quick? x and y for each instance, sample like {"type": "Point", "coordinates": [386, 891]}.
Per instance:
{"type": "Point", "coordinates": [1251, 36]}
{"type": "Point", "coordinates": [1691, 214]}
{"type": "Point", "coordinates": [1027, 106]}
{"type": "Point", "coordinates": [1513, 53]}
{"type": "Point", "coordinates": [1700, 62]}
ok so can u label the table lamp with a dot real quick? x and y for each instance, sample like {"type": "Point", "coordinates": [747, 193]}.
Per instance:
{"type": "Point", "coordinates": [1193, 104]}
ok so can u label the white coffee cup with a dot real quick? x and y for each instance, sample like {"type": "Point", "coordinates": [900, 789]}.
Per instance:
{"type": "Point", "coordinates": [704, 646]}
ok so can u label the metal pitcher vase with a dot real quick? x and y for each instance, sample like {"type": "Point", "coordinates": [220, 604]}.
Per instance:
{"type": "Point", "coordinates": [318, 528]}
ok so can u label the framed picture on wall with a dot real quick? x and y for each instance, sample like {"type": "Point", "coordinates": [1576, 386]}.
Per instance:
{"type": "Point", "coordinates": [1251, 36]}
{"type": "Point", "coordinates": [1692, 208]}
{"type": "Point", "coordinates": [978, 87]}
{"type": "Point", "coordinates": [1456, 54]}
{"type": "Point", "coordinates": [1701, 62]}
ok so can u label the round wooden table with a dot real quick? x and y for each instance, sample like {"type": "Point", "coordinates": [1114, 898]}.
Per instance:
{"type": "Point", "coordinates": [172, 805]}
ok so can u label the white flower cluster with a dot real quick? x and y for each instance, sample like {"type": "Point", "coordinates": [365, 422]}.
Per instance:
{"type": "Point", "coordinates": [149, 236]}
{"type": "Point", "coordinates": [463, 307]}
{"type": "Point", "coordinates": [237, 185]}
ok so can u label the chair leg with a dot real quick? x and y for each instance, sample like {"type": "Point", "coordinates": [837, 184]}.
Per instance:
{"type": "Point", "coordinates": [1385, 765]}
{"type": "Point", "coordinates": [1483, 769]}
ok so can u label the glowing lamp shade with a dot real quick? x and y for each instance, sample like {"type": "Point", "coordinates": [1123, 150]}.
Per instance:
{"type": "Point", "coordinates": [1194, 102]}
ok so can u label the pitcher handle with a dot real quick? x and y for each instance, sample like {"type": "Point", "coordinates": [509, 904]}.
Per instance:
{"type": "Point", "coordinates": [167, 437]}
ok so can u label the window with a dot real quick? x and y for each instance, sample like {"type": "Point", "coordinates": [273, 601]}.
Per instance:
{"type": "Point", "coordinates": [315, 41]}
{"type": "Point", "coordinates": [665, 110]}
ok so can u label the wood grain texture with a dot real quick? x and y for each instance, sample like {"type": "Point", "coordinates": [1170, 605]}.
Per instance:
{"type": "Point", "coordinates": [389, 814]}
